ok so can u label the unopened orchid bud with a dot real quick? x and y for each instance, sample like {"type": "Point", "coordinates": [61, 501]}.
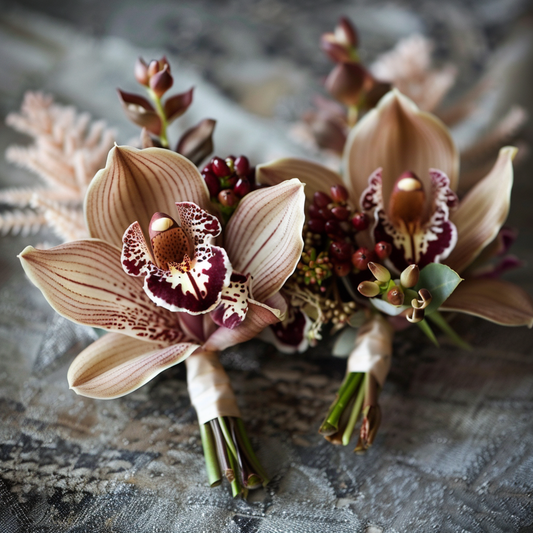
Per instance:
{"type": "Point", "coordinates": [345, 33]}
{"type": "Point", "coordinates": [227, 198]}
{"type": "Point", "coordinates": [153, 67]}
{"type": "Point", "coordinates": [141, 71]}
{"type": "Point", "coordinates": [415, 315]}
{"type": "Point", "coordinates": [336, 52]}
{"type": "Point", "coordinates": [379, 272]}
{"type": "Point", "coordinates": [423, 301]}
{"type": "Point", "coordinates": [409, 277]}
{"type": "Point", "coordinates": [197, 142]}
{"type": "Point", "coordinates": [161, 82]}
{"type": "Point", "coordinates": [345, 83]}
{"type": "Point", "coordinates": [368, 288]}
{"type": "Point", "coordinates": [395, 296]}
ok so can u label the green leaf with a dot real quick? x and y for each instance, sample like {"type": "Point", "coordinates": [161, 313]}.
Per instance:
{"type": "Point", "coordinates": [440, 281]}
{"type": "Point", "coordinates": [424, 326]}
{"type": "Point", "coordinates": [440, 321]}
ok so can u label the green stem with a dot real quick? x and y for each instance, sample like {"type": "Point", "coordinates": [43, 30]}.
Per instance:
{"type": "Point", "coordinates": [235, 484]}
{"type": "Point", "coordinates": [210, 455]}
{"type": "Point", "coordinates": [347, 389]}
{"type": "Point", "coordinates": [249, 451]}
{"type": "Point", "coordinates": [424, 326]}
{"type": "Point", "coordinates": [441, 323]}
{"type": "Point", "coordinates": [356, 411]}
{"type": "Point", "coordinates": [227, 436]}
{"type": "Point", "coordinates": [161, 112]}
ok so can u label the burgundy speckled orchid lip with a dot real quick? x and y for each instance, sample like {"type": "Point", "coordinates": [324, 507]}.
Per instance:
{"type": "Point", "coordinates": [185, 272]}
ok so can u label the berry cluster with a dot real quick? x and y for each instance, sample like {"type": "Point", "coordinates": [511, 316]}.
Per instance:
{"type": "Point", "coordinates": [332, 225]}
{"type": "Point", "coordinates": [229, 180]}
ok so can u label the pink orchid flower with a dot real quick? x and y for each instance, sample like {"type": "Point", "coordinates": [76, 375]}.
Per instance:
{"type": "Point", "coordinates": [402, 169]}
{"type": "Point", "coordinates": [158, 275]}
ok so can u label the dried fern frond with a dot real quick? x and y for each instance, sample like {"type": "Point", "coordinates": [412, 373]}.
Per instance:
{"type": "Point", "coordinates": [68, 150]}
{"type": "Point", "coordinates": [21, 222]}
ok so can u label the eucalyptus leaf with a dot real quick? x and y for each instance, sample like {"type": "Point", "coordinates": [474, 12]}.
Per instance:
{"type": "Point", "coordinates": [440, 281]}
{"type": "Point", "coordinates": [387, 308]}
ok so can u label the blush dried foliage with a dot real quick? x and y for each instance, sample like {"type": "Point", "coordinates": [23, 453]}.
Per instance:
{"type": "Point", "coordinates": [68, 149]}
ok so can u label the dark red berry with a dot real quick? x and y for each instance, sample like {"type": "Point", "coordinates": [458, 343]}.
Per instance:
{"type": "Point", "coordinates": [339, 193]}
{"type": "Point", "coordinates": [242, 187]}
{"type": "Point", "coordinates": [208, 168]}
{"type": "Point", "coordinates": [321, 199]}
{"type": "Point", "coordinates": [340, 212]}
{"type": "Point", "coordinates": [316, 225]}
{"type": "Point", "coordinates": [383, 249]}
{"type": "Point", "coordinates": [242, 165]}
{"type": "Point", "coordinates": [325, 213]}
{"type": "Point", "coordinates": [212, 182]}
{"type": "Point", "coordinates": [251, 176]}
{"type": "Point", "coordinates": [342, 269]}
{"type": "Point", "coordinates": [341, 251]}
{"type": "Point", "coordinates": [360, 221]}
{"type": "Point", "coordinates": [219, 167]}
{"type": "Point", "coordinates": [227, 198]}
{"type": "Point", "coordinates": [232, 181]}
{"type": "Point", "coordinates": [333, 228]}
{"type": "Point", "coordinates": [313, 211]}
{"type": "Point", "coordinates": [361, 258]}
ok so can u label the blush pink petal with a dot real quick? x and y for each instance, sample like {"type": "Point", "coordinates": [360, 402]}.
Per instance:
{"type": "Point", "coordinates": [492, 299]}
{"type": "Point", "coordinates": [134, 185]}
{"type": "Point", "coordinates": [316, 177]}
{"type": "Point", "coordinates": [483, 211]}
{"type": "Point", "coordinates": [84, 282]}
{"type": "Point", "coordinates": [398, 137]}
{"type": "Point", "coordinates": [116, 365]}
{"type": "Point", "coordinates": [264, 236]}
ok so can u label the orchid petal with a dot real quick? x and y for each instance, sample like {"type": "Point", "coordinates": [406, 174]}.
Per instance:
{"type": "Point", "coordinates": [316, 177]}
{"type": "Point", "coordinates": [264, 236]}
{"type": "Point", "coordinates": [398, 137]}
{"type": "Point", "coordinates": [234, 305]}
{"type": "Point", "coordinates": [258, 317]}
{"type": "Point", "coordinates": [290, 335]}
{"type": "Point", "coordinates": [483, 211]}
{"type": "Point", "coordinates": [137, 183]}
{"type": "Point", "coordinates": [495, 300]}
{"type": "Point", "coordinates": [84, 282]}
{"type": "Point", "coordinates": [116, 365]}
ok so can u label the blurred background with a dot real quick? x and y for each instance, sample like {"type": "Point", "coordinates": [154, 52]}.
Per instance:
{"type": "Point", "coordinates": [455, 448]}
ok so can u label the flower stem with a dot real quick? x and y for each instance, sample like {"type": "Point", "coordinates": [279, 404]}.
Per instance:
{"type": "Point", "coordinates": [210, 454]}
{"type": "Point", "coordinates": [161, 112]}
{"type": "Point", "coordinates": [246, 446]}
{"type": "Point", "coordinates": [354, 415]}
{"type": "Point", "coordinates": [443, 325]}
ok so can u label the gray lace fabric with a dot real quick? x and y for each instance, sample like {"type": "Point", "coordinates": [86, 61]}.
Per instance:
{"type": "Point", "coordinates": [455, 448]}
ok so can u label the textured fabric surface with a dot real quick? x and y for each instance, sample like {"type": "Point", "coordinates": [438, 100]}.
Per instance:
{"type": "Point", "coordinates": [455, 449]}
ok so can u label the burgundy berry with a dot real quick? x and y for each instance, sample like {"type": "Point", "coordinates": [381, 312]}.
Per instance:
{"type": "Point", "coordinates": [339, 193]}
{"type": "Point", "coordinates": [212, 182]}
{"type": "Point", "coordinates": [340, 212]}
{"type": "Point", "coordinates": [316, 225]}
{"type": "Point", "coordinates": [227, 198]}
{"type": "Point", "coordinates": [325, 213]}
{"type": "Point", "coordinates": [361, 258]}
{"type": "Point", "coordinates": [220, 168]}
{"type": "Point", "coordinates": [242, 165]}
{"type": "Point", "coordinates": [341, 251]}
{"type": "Point", "coordinates": [383, 249]}
{"type": "Point", "coordinates": [360, 221]}
{"type": "Point", "coordinates": [333, 227]}
{"type": "Point", "coordinates": [313, 211]}
{"type": "Point", "coordinates": [342, 269]}
{"type": "Point", "coordinates": [321, 199]}
{"type": "Point", "coordinates": [242, 187]}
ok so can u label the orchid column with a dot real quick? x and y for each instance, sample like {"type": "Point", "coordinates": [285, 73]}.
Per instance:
{"type": "Point", "coordinates": [160, 276]}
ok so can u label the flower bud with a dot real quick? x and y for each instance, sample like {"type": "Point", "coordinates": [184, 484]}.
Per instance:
{"type": "Point", "coordinates": [395, 296]}
{"type": "Point", "coordinates": [383, 249]}
{"type": "Point", "coordinates": [161, 82]}
{"type": "Point", "coordinates": [345, 83]}
{"type": "Point", "coordinates": [336, 52]}
{"type": "Point", "coordinates": [153, 67]}
{"type": "Point", "coordinates": [227, 198]}
{"type": "Point", "coordinates": [339, 193]}
{"type": "Point", "coordinates": [415, 315]}
{"type": "Point", "coordinates": [345, 33]}
{"type": "Point", "coordinates": [141, 71]}
{"type": "Point", "coordinates": [360, 221]}
{"type": "Point", "coordinates": [424, 301]}
{"type": "Point", "coordinates": [379, 272]}
{"type": "Point", "coordinates": [409, 277]}
{"type": "Point", "coordinates": [368, 288]}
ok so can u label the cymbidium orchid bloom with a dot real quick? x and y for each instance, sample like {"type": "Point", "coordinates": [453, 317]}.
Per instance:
{"type": "Point", "coordinates": [401, 171]}
{"type": "Point", "coordinates": [177, 292]}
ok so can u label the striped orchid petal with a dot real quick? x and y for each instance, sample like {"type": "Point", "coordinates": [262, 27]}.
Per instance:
{"type": "Point", "coordinates": [492, 299]}
{"type": "Point", "coordinates": [259, 316]}
{"type": "Point", "coordinates": [316, 177]}
{"type": "Point", "coordinates": [264, 236]}
{"type": "Point", "coordinates": [116, 365]}
{"type": "Point", "coordinates": [398, 137]}
{"type": "Point", "coordinates": [187, 273]}
{"type": "Point", "coordinates": [134, 185]}
{"type": "Point", "coordinates": [84, 282]}
{"type": "Point", "coordinates": [483, 211]}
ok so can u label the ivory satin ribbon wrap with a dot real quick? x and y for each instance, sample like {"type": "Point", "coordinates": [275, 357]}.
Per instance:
{"type": "Point", "coordinates": [373, 349]}
{"type": "Point", "coordinates": [209, 387]}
